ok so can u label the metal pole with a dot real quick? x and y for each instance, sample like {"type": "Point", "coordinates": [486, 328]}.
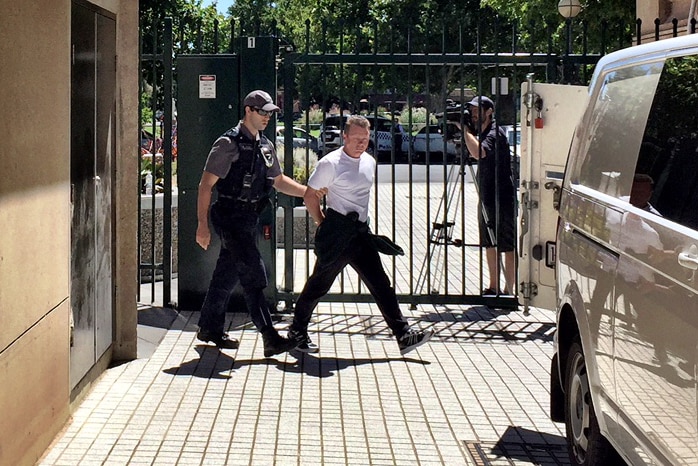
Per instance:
{"type": "Point", "coordinates": [167, 145]}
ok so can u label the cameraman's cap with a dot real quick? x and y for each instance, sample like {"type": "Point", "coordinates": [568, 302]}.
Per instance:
{"type": "Point", "coordinates": [483, 101]}
{"type": "Point", "coordinates": [260, 99]}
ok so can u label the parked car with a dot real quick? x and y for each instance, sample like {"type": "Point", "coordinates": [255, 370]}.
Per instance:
{"type": "Point", "coordinates": [624, 370]}
{"type": "Point", "coordinates": [382, 135]}
{"type": "Point", "coordinates": [514, 138]}
{"type": "Point", "coordinates": [301, 138]}
{"type": "Point", "coordinates": [435, 135]}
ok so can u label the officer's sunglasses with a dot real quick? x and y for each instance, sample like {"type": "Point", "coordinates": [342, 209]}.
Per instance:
{"type": "Point", "coordinates": [263, 113]}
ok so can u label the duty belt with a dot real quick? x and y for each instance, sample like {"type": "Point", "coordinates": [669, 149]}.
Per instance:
{"type": "Point", "coordinates": [234, 203]}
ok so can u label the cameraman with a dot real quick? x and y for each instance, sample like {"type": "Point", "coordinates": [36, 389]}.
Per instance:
{"type": "Point", "coordinates": [487, 143]}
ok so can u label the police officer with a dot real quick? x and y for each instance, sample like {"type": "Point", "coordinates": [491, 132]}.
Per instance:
{"type": "Point", "coordinates": [243, 166]}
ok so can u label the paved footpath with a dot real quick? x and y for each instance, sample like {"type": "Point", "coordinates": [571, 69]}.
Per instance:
{"type": "Point", "coordinates": [477, 394]}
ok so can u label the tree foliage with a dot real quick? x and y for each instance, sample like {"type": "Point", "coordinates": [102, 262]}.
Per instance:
{"type": "Point", "coordinates": [394, 26]}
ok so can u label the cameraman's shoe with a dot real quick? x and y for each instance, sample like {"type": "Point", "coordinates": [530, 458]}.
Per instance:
{"type": "Point", "coordinates": [275, 343]}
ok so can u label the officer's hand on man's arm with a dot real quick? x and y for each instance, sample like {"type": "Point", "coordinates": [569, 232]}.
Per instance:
{"type": "Point", "coordinates": [286, 185]}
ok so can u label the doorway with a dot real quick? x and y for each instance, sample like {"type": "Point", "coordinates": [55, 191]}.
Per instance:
{"type": "Point", "coordinates": [93, 145]}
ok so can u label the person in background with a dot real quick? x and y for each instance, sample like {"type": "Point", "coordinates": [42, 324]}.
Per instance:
{"type": "Point", "coordinates": [488, 144]}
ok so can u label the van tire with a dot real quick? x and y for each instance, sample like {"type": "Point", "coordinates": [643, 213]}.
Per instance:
{"type": "Point", "coordinates": [585, 444]}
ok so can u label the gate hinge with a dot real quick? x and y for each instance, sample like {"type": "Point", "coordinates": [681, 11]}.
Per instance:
{"type": "Point", "coordinates": [530, 184]}
{"type": "Point", "coordinates": [527, 202]}
{"type": "Point", "coordinates": [528, 290]}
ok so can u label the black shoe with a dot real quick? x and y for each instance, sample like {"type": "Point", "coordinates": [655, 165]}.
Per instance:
{"type": "Point", "coordinates": [413, 339]}
{"type": "Point", "coordinates": [275, 343]}
{"type": "Point", "coordinates": [221, 340]}
{"type": "Point", "coordinates": [303, 342]}
{"type": "Point", "coordinates": [489, 292]}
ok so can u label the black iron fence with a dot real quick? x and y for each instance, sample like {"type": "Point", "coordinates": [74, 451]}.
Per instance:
{"type": "Point", "coordinates": [399, 77]}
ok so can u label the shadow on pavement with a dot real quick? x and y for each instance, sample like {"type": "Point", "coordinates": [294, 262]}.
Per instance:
{"type": "Point", "coordinates": [214, 364]}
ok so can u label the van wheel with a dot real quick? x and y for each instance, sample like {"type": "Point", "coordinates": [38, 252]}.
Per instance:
{"type": "Point", "coordinates": [585, 443]}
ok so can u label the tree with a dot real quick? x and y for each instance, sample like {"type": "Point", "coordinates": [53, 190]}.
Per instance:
{"type": "Point", "coordinates": [536, 17]}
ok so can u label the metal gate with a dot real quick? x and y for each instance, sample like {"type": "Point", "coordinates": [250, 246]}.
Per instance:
{"type": "Point", "coordinates": [426, 191]}
{"type": "Point", "coordinates": [425, 197]}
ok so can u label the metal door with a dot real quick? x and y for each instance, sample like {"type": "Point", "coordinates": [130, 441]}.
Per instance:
{"type": "Point", "coordinates": [92, 147]}
{"type": "Point", "coordinates": [210, 93]}
{"type": "Point", "coordinates": [549, 115]}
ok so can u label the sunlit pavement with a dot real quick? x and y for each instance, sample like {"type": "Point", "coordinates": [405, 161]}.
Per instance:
{"type": "Point", "coordinates": [475, 394]}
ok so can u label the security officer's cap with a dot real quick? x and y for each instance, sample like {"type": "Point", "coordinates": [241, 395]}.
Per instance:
{"type": "Point", "coordinates": [260, 100]}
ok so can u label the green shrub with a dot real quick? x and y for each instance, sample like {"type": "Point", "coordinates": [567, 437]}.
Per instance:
{"type": "Point", "coordinates": [300, 174]}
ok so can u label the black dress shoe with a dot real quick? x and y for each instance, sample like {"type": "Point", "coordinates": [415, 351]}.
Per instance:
{"type": "Point", "coordinates": [221, 340]}
{"type": "Point", "coordinates": [275, 343]}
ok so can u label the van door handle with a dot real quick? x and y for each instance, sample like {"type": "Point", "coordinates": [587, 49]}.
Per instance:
{"type": "Point", "coordinates": [689, 259]}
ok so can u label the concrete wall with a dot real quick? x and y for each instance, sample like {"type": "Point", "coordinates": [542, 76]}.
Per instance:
{"type": "Point", "coordinates": [666, 11]}
{"type": "Point", "coordinates": [35, 216]}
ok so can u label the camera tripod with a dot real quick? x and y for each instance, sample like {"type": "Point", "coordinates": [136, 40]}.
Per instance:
{"type": "Point", "coordinates": [442, 229]}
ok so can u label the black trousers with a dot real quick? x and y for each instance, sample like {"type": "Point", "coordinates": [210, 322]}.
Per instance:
{"type": "Point", "coordinates": [363, 258]}
{"type": "Point", "coordinates": [239, 262]}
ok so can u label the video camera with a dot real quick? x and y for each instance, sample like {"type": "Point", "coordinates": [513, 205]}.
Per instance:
{"type": "Point", "coordinates": [459, 114]}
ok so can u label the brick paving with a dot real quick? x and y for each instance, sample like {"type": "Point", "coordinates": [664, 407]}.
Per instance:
{"type": "Point", "coordinates": [481, 381]}
{"type": "Point", "coordinates": [477, 394]}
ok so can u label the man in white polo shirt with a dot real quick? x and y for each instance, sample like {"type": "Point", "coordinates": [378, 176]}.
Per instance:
{"type": "Point", "coordinates": [344, 238]}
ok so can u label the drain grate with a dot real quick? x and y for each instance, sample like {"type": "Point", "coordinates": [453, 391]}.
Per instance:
{"type": "Point", "coordinates": [516, 453]}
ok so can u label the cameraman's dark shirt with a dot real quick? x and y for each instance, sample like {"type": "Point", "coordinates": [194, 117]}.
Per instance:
{"type": "Point", "coordinates": [494, 169]}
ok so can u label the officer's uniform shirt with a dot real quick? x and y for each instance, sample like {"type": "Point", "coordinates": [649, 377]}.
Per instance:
{"type": "Point", "coordinates": [348, 181]}
{"type": "Point", "coordinates": [224, 153]}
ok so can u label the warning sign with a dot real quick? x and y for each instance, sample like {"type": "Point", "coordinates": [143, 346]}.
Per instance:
{"type": "Point", "coordinates": [207, 86]}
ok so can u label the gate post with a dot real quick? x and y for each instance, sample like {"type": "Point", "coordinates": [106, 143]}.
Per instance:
{"type": "Point", "coordinates": [289, 83]}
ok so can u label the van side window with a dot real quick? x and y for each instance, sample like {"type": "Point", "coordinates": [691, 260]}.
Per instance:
{"type": "Point", "coordinates": [615, 127]}
{"type": "Point", "coordinates": [669, 152]}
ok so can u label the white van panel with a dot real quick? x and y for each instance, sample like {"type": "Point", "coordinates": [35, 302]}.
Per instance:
{"type": "Point", "coordinates": [543, 158]}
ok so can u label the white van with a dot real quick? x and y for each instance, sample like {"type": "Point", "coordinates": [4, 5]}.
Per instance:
{"type": "Point", "coordinates": [625, 258]}
{"type": "Point", "coordinates": [624, 370]}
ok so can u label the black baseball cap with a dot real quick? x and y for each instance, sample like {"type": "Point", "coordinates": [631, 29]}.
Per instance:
{"type": "Point", "coordinates": [261, 100]}
{"type": "Point", "coordinates": [483, 101]}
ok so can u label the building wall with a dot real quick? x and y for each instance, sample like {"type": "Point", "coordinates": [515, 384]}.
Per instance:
{"type": "Point", "coordinates": [665, 11]}
{"type": "Point", "coordinates": [35, 217]}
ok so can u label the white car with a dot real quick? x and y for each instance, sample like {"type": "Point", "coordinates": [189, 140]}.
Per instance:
{"type": "Point", "coordinates": [301, 138]}
{"type": "Point", "coordinates": [514, 138]}
{"type": "Point", "coordinates": [435, 135]}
